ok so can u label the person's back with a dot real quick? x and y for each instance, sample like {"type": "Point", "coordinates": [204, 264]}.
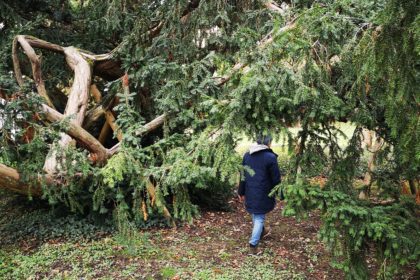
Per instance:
{"type": "Point", "coordinates": [256, 185]}
{"type": "Point", "coordinates": [264, 164]}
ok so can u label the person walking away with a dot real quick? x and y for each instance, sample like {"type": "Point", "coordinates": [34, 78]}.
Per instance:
{"type": "Point", "coordinates": [254, 188]}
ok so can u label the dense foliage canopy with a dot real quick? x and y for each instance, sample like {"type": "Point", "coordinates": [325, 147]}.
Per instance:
{"type": "Point", "coordinates": [218, 71]}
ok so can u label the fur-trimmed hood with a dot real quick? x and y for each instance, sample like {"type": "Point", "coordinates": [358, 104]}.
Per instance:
{"type": "Point", "coordinates": [257, 147]}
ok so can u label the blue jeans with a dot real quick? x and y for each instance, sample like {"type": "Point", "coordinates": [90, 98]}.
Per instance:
{"type": "Point", "coordinates": [258, 225]}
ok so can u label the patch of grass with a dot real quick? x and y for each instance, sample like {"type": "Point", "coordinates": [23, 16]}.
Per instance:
{"type": "Point", "coordinates": [224, 256]}
{"type": "Point", "coordinates": [24, 220]}
{"type": "Point", "coordinates": [168, 272]}
{"type": "Point", "coordinates": [101, 259]}
{"type": "Point", "coordinates": [55, 261]}
{"type": "Point", "coordinates": [138, 245]}
{"type": "Point", "coordinates": [254, 267]}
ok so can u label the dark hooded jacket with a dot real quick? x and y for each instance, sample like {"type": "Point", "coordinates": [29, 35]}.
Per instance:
{"type": "Point", "coordinates": [263, 161]}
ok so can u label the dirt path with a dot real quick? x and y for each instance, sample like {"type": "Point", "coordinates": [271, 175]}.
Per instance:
{"type": "Point", "coordinates": [291, 243]}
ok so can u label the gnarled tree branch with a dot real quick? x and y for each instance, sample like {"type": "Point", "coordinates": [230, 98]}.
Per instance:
{"type": "Point", "coordinates": [35, 63]}
{"type": "Point", "coordinates": [74, 130]}
{"type": "Point", "coordinates": [78, 133]}
{"type": "Point", "coordinates": [77, 101]}
{"type": "Point", "coordinates": [147, 128]}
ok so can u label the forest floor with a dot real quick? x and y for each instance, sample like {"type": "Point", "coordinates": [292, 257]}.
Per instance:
{"type": "Point", "coordinates": [214, 246]}
{"type": "Point", "coordinates": [36, 244]}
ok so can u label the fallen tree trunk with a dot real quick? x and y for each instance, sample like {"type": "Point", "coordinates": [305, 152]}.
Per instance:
{"type": "Point", "coordinates": [10, 180]}
{"type": "Point", "coordinates": [373, 144]}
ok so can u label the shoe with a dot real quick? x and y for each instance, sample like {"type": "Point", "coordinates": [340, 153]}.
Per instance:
{"type": "Point", "coordinates": [265, 233]}
{"type": "Point", "coordinates": [253, 250]}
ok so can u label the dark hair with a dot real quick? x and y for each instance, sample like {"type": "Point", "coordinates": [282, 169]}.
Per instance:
{"type": "Point", "coordinates": [264, 139]}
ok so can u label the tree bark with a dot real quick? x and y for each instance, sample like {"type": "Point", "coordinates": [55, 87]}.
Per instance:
{"type": "Point", "coordinates": [105, 130]}
{"type": "Point", "coordinates": [104, 66]}
{"type": "Point", "coordinates": [151, 190]}
{"type": "Point", "coordinates": [372, 144]}
{"type": "Point", "coordinates": [109, 117]}
{"type": "Point", "coordinates": [35, 64]}
{"type": "Point", "coordinates": [273, 7]}
{"type": "Point", "coordinates": [148, 127]}
{"type": "Point", "coordinates": [78, 133]}
{"type": "Point", "coordinates": [92, 116]}
{"type": "Point", "coordinates": [10, 180]}
{"type": "Point", "coordinates": [77, 101]}
{"type": "Point", "coordinates": [108, 69]}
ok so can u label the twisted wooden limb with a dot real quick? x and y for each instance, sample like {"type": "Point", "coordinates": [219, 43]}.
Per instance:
{"type": "Point", "coordinates": [147, 128]}
{"type": "Point", "coordinates": [104, 66]}
{"type": "Point", "coordinates": [78, 133]}
{"type": "Point", "coordinates": [74, 130]}
{"type": "Point", "coordinates": [273, 7]}
{"type": "Point", "coordinates": [78, 97]}
{"type": "Point", "coordinates": [93, 115]}
{"type": "Point", "coordinates": [97, 96]}
{"type": "Point", "coordinates": [77, 101]}
{"type": "Point", "coordinates": [36, 67]}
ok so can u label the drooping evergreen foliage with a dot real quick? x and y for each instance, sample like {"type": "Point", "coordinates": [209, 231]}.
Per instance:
{"type": "Point", "coordinates": [220, 70]}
